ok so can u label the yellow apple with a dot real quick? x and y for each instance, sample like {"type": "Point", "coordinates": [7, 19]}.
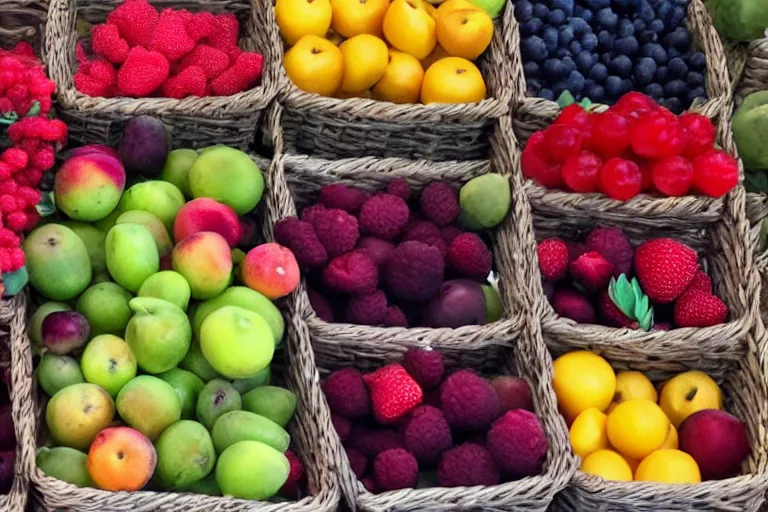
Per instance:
{"type": "Point", "coordinates": [688, 393]}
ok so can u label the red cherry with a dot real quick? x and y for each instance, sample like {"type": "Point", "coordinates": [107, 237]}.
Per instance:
{"type": "Point", "coordinates": [581, 173]}
{"type": "Point", "coordinates": [574, 116]}
{"type": "Point", "coordinates": [646, 170]}
{"type": "Point", "coordinates": [715, 173]}
{"type": "Point", "coordinates": [561, 143]}
{"type": "Point", "coordinates": [535, 165]}
{"type": "Point", "coordinates": [620, 179]}
{"type": "Point", "coordinates": [610, 134]}
{"type": "Point", "coordinates": [672, 176]}
{"type": "Point", "coordinates": [700, 134]}
{"type": "Point", "coordinates": [634, 105]}
{"type": "Point", "coordinates": [658, 135]}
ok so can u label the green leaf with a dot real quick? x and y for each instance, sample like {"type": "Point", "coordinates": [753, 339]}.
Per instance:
{"type": "Point", "coordinates": [15, 281]}
{"type": "Point", "coordinates": [47, 205]}
{"type": "Point", "coordinates": [585, 103]}
{"type": "Point", "coordinates": [622, 294]}
{"type": "Point", "coordinates": [565, 99]}
{"type": "Point", "coordinates": [646, 322]}
{"type": "Point", "coordinates": [9, 118]}
{"type": "Point", "coordinates": [34, 109]}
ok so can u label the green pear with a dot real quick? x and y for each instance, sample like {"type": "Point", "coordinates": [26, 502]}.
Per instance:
{"type": "Point", "coordinates": [167, 285]}
{"type": "Point", "coordinates": [272, 402]}
{"type": "Point", "coordinates": [131, 255]}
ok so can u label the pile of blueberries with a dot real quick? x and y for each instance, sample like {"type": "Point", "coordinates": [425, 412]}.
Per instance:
{"type": "Point", "coordinates": [603, 49]}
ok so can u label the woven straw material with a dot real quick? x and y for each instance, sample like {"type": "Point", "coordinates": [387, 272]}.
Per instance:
{"type": "Point", "coordinates": [194, 122]}
{"type": "Point", "coordinates": [746, 396]}
{"type": "Point", "coordinates": [750, 67]}
{"type": "Point", "coordinates": [22, 20]}
{"type": "Point", "coordinates": [346, 128]}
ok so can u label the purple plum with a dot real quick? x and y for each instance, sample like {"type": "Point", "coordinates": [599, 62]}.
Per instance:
{"type": "Point", "coordinates": [144, 146]}
{"type": "Point", "coordinates": [458, 302]}
{"type": "Point", "coordinates": [65, 331]}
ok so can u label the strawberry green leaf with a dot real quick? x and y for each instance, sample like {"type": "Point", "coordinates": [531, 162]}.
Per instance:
{"type": "Point", "coordinates": [585, 103]}
{"type": "Point", "coordinates": [15, 281]}
{"type": "Point", "coordinates": [621, 293]}
{"type": "Point", "coordinates": [646, 322]}
{"type": "Point", "coordinates": [34, 109]}
{"type": "Point", "coordinates": [565, 99]}
{"type": "Point", "coordinates": [47, 205]}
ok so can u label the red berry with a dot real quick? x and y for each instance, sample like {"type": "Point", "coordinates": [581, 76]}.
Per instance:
{"type": "Point", "coordinates": [715, 173]}
{"type": "Point", "coordinates": [7, 204]}
{"type": "Point", "coordinates": [16, 255]}
{"type": "Point", "coordinates": [610, 134]}
{"type": "Point", "coordinates": [29, 195]}
{"type": "Point", "coordinates": [672, 176]}
{"type": "Point", "coordinates": [33, 176]}
{"type": "Point", "coordinates": [561, 143]}
{"type": "Point", "coordinates": [634, 105]}
{"type": "Point", "coordinates": [646, 170]}
{"type": "Point", "coordinates": [658, 136]}
{"type": "Point", "coordinates": [535, 165]}
{"type": "Point", "coordinates": [15, 158]}
{"type": "Point", "coordinates": [581, 173]}
{"type": "Point", "coordinates": [16, 221]}
{"type": "Point", "coordinates": [700, 134]}
{"type": "Point", "coordinates": [553, 259]}
{"type": "Point", "coordinates": [8, 187]}
{"type": "Point", "coordinates": [8, 238]}
{"type": "Point", "coordinates": [5, 171]}
{"type": "Point", "coordinates": [575, 117]}
{"type": "Point", "coordinates": [620, 179]}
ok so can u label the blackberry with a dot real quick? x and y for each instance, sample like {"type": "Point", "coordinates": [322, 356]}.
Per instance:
{"type": "Point", "coordinates": [597, 4]}
{"type": "Point", "coordinates": [584, 61]}
{"type": "Point", "coordinates": [567, 6]}
{"type": "Point", "coordinates": [654, 90]}
{"type": "Point", "coordinates": [575, 83]}
{"type": "Point", "coordinates": [569, 64]}
{"type": "Point", "coordinates": [657, 26]}
{"type": "Point", "coordinates": [547, 94]}
{"type": "Point", "coordinates": [595, 92]}
{"type": "Point", "coordinates": [579, 26]}
{"type": "Point", "coordinates": [698, 92]}
{"type": "Point", "coordinates": [697, 61]}
{"type": "Point", "coordinates": [599, 72]}
{"type": "Point", "coordinates": [679, 39]}
{"type": "Point", "coordinates": [565, 36]}
{"type": "Point", "coordinates": [582, 13]}
{"type": "Point", "coordinates": [531, 69]}
{"type": "Point", "coordinates": [674, 105]}
{"type": "Point", "coordinates": [654, 51]}
{"type": "Point", "coordinates": [626, 28]}
{"type": "Point", "coordinates": [589, 41]}
{"type": "Point", "coordinates": [550, 39]}
{"type": "Point", "coordinates": [554, 69]}
{"type": "Point", "coordinates": [540, 11]}
{"type": "Point", "coordinates": [606, 40]}
{"type": "Point", "coordinates": [676, 88]}
{"type": "Point", "coordinates": [613, 87]}
{"type": "Point", "coordinates": [575, 47]}
{"type": "Point", "coordinates": [662, 74]}
{"type": "Point", "coordinates": [562, 53]}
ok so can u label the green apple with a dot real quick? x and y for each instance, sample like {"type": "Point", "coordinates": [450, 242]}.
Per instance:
{"type": "Point", "coordinates": [160, 198]}
{"type": "Point", "coordinates": [131, 255]}
{"type": "Point", "coordinates": [176, 169]}
{"type": "Point", "coordinates": [154, 225]}
{"type": "Point", "coordinates": [188, 386]}
{"type": "Point", "coordinates": [105, 305]}
{"type": "Point", "coordinates": [55, 372]}
{"type": "Point", "coordinates": [159, 334]}
{"type": "Point", "coordinates": [108, 361]}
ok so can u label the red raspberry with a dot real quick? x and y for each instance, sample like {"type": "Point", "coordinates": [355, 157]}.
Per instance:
{"type": "Point", "coordinates": [8, 238]}
{"type": "Point", "coordinates": [20, 203]}
{"type": "Point", "coordinates": [610, 134]}
{"type": "Point", "coordinates": [581, 173]}
{"type": "Point", "coordinates": [5, 171]}
{"type": "Point", "coordinates": [715, 173]}
{"type": "Point", "coordinates": [562, 142]}
{"type": "Point", "coordinates": [672, 176]}
{"type": "Point", "coordinates": [634, 105]}
{"type": "Point", "coordinates": [658, 136]}
{"type": "Point", "coordinates": [15, 158]}
{"type": "Point", "coordinates": [620, 179]}
{"type": "Point", "coordinates": [32, 175]}
{"type": "Point", "coordinates": [8, 187]}
{"type": "Point", "coordinates": [55, 130]}
{"type": "Point", "coordinates": [16, 257]}
{"type": "Point", "coordinates": [44, 158]}
{"type": "Point", "coordinates": [8, 204]}
{"type": "Point", "coordinates": [535, 165]}
{"type": "Point", "coordinates": [29, 195]}
{"type": "Point", "coordinates": [700, 134]}
{"type": "Point", "coordinates": [32, 218]}
{"type": "Point", "coordinates": [17, 93]}
{"type": "Point", "coordinates": [5, 259]}
{"type": "Point", "coordinates": [16, 221]}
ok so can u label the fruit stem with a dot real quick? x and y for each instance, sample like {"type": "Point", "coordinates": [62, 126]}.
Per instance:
{"type": "Point", "coordinates": [691, 394]}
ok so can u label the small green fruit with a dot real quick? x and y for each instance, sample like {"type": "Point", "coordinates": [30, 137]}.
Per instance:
{"type": "Point", "coordinates": [485, 201]}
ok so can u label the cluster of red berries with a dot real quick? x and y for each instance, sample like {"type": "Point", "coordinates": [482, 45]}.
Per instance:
{"type": "Point", "coordinates": [175, 54]}
{"type": "Point", "coordinates": [635, 146]}
{"type": "Point", "coordinates": [34, 140]}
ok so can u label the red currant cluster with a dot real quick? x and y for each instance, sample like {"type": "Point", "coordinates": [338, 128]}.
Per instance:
{"type": "Point", "coordinates": [635, 146]}
{"type": "Point", "coordinates": [25, 100]}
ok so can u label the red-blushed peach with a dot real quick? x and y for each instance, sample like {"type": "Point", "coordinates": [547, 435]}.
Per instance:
{"type": "Point", "coordinates": [271, 270]}
{"type": "Point", "coordinates": [94, 148]}
{"type": "Point", "coordinates": [88, 187]}
{"type": "Point", "coordinates": [121, 459]}
{"type": "Point", "coordinates": [205, 261]}
{"type": "Point", "coordinates": [205, 214]}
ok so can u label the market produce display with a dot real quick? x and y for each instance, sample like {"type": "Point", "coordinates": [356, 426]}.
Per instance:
{"type": "Point", "coordinates": [404, 51]}
{"type": "Point", "coordinates": [603, 49]}
{"type": "Point", "coordinates": [636, 146]}
{"type": "Point", "coordinates": [603, 279]}
{"type": "Point", "coordinates": [417, 424]}
{"type": "Point", "coordinates": [141, 53]}
{"type": "Point", "coordinates": [397, 258]}
{"type": "Point", "coordinates": [143, 325]}
{"type": "Point", "coordinates": [626, 428]}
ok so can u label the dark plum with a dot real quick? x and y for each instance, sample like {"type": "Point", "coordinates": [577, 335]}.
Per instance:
{"type": "Point", "coordinates": [458, 302]}
{"type": "Point", "coordinates": [144, 146]}
{"type": "Point", "coordinates": [65, 331]}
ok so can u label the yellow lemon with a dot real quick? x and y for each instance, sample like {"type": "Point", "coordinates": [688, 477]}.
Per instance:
{"type": "Point", "coordinates": [401, 82]}
{"type": "Point", "coordinates": [588, 432]}
{"type": "Point", "coordinates": [608, 465]}
{"type": "Point", "coordinates": [452, 80]}
{"type": "Point", "coordinates": [299, 18]}
{"type": "Point", "coordinates": [365, 61]}
{"type": "Point", "coordinates": [582, 380]}
{"type": "Point", "coordinates": [355, 17]}
{"type": "Point", "coordinates": [450, 6]}
{"type": "Point", "coordinates": [671, 442]}
{"type": "Point", "coordinates": [631, 385]}
{"type": "Point", "coordinates": [410, 28]}
{"type": "Point", "coordinates": [688, 393]}
{"type": "Point", "coordinates": [668, 467]}
{"type": "Point", "coordinates": [315, 65]}
{"type": "Point", "coordinates": [637, 428]}
{"type": "Point", "coordinates": [465, 33]}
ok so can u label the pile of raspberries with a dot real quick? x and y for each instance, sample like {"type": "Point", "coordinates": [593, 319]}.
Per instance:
{"type": "Point", "coordinates": [25, 101]}
{"type": "Point", "coordinates": [174, 54]}
{"type": "Point", "coordinates": [375, 260]}
{"type": "Point", "coordinates": [415, 416]}
{"type": "Point", "coordinates": [581, 279]}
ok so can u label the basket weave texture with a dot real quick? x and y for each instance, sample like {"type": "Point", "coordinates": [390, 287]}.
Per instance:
{"type": "Point", "coordinates": [348, 128]}
{"type": "Point", "coordinates": [193, 122]}
{"type": "Point", "coordinates": [22, 21]}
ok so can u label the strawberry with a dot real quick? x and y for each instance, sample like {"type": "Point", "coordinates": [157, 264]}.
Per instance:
{"type": "Point", "coordinates": [136, 20]}
{"type": "Point", "coordinates": [394, 393]}
{"type": "Point", "coordinates": [142, 72]}
{"type": "Point", "coordinates": [699, 309]}
{"type": "Point", "coordinates": [665, 268]}
{"type": "Point", "coordinates": [592, 271]}
{"type": "Point", "coordinates": [701, 283]}
{"type": "Point", "coordinates": [171, 37]}
{"type": "Point", "coordinates": [553, 259]}
{"type": "Point", "coordinates": [615, 247]}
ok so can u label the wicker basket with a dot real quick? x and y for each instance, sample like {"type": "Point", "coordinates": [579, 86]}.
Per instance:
{"type": "Point", "coordinates": [22, 21]}
{"type": "Point", "coordinates": [744, 388]}
{"type": "Point", "coordinates": [753, 76]}
{"type": "Point", "coordinates": [194, 122]}
{"type": "Point", "coordinates": [348, 128]}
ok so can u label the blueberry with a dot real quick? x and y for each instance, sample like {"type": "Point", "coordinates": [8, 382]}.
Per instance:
{"type": "Point", "coordinates": [606, 40]}
{"type": "Point", "coordinates": [535, 48]}
{"type": "Point", "coordinates": [598, 73]}
{"type": "Point", "coordinates": [547, 94]}
{"type": "Point", "coordinates": [679, 39]}
{"type": "Point", "coordinates": [647, 36]}
{"type": "Point", "coordinates": [645, 69]}
{"type": "Point", "coordinates": [626, 46]}
{"type": "Point", "coordinates": [605, 58]}
{"type": "Point", "coordinates": [531, 69]}
{"type": "Point", "coordinates": [613, 86]}
{"type": "Point", "coordinates": [559, 87]}
{"type": "Point", "coordinates": [698, 92]}
{"type": "Point", "coordinates": [595, 93]}
{"type": "Point", "coordinates": [621, 66]}
{"type": "Point", "coordinates": [562, 52]}
{"type": "Point", "coordinates": [676, 88]}
{"type": "Point", "coordinates": [550, 39]}
{"type": "Point", "coordinates": [663, 10]}
{"type": "Point", "coordinates": [626, 28]}
{"type": "Point", "coordinates": [677, 17]}
{"type": "Point", "coordinates": [575, 47]}
{"type": "Point", "coordinates": [673, 52]}
{"type": "Point", "coordinates": [654, 90]}
{"type": "Point", "coordinates": [639, 25]}
{"type": "Point", "coordinates": [607, 19]}
{"type": "Point", "coordinates": [589, 41]}
{"type": "Point", "coordinates": [531, 27]}
{"type": "Point", "coordinates": [626, 86]}
{"type": "Point", "coordinates": [646, 13]}
{"type": "Point", "coordinates": [583, 13]}
{"type": "Point", "coordinates": [523, 11]}
{"type": "Point", "coordinates": [569, 63]}
{"type": "Point", "coordinates": [540, 11]}
{"type": "Point", "coordinates": [565, 5]}
{"type": "Point", "coordinates": [677, 68]}
{"type": "Point", "coordinates": [556, 17]}
{"type": "Point", "coordinates": [575, 82]}
{"type": "Point", "coordinates": [657, 26]}
{"type": "Point", "coordinates": [662, 74]}
{"type": "Point", "coordinates": [674, 105]}
{"type": "Point", "coordinates": [584, 61]}
{"type": "Point", "coordinates": [694, 78]}
{"type": "Point", "coordinates": [565, 36]}
{"type": "Point", "coordinates": [654, 51]}
{"type": "Point", "coordinates": [597, 4]}
{"type": "Point", "coordinates": [554, 69]}
{"type": "Point", "coordinates": [697, 61]}
{"type": "Point", "coordinates": [578, 25]}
